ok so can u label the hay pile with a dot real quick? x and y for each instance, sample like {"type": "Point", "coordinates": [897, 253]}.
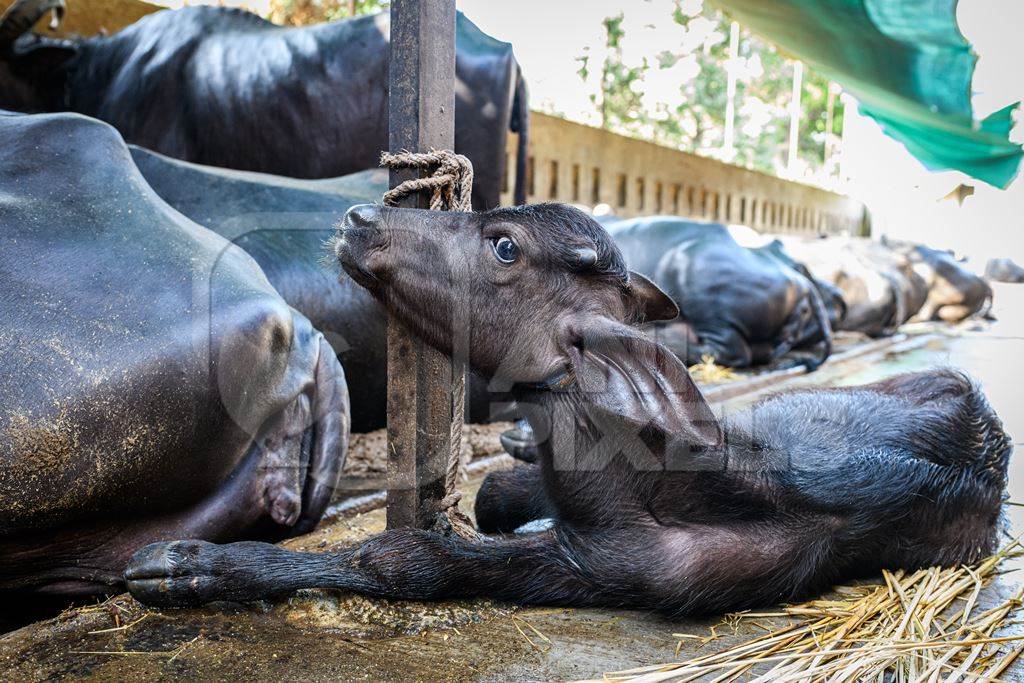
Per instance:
{"type": "Point", "coordinates": [709, 372]}
{"type": "Point", "coordinates": [920, 626]}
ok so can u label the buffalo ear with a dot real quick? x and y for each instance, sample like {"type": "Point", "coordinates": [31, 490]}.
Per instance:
{"type": "Point", "coordinates": [652, 303]}
{"type": "Point", "coordinates": [624, 376]}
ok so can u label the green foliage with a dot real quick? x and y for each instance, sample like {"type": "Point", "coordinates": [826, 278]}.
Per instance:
{"type": "Point", "coordinates": [620, 106]}
{"type": "Point", "coordinates": [678, 96]}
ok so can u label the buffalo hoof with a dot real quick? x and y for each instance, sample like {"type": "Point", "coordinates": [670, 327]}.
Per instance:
{"type": "Point", "coordinates": [812, 364]}
{"type": "Point", "coordinates": [808, 361]}
{"type": "Point", "coordinates": [519, 442]}
{"type": "Point", "coordinates": [175, 574]}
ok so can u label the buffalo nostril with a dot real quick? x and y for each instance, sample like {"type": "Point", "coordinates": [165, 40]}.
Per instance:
{"type": "Point", "coordinates": [362, 216]}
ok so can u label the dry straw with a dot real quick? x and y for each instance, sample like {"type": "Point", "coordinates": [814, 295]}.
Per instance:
{"type": "Point", "coordinates": [922, 626]}
{"type": "Point", "coordinates": [707, 371]}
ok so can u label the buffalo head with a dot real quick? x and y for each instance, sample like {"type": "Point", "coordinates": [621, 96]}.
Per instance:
{"type": "Point", "coordinates": [515, 288]}
{"type": "Point", "coordinates": [32, 71]}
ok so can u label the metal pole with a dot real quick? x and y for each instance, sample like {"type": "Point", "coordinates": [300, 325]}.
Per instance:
{"type": "Point", "coordinates": [830, 109]}
{"type": "Point", "coordinates": [849, 109]}
{"type": "Point", "coordinates": [732, 72]}
{"type": "Point", "coordinates": [794, 118]}
{"type": "Point", "coordinates": [420, 379]}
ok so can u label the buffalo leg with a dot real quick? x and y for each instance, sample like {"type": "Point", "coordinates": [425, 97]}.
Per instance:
{"type": "Point", "coordinates": [676, 570]}
{"type": "Point", "coordinates": [726, 346]}
{"type": "Point", "coordinates": [953, 313]}
{"type": "Point", "coordinates": [511, 498]}
{"type": "Point", "coordinates": [88, 558]}
{"type": "Point", "coordinates": [786, 339]}
{"type": "Point", "coordinates": [765, 353]}
{"type": "Point", "coordinates": [400, 564]}
{"type": "Point", "coordinates": [810, 358]}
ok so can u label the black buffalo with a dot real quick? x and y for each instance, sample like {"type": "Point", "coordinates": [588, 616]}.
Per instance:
{"type": "Point", "coordinates": [154, 383]}
{"type": "Point", "coordinates": [909, 287]}
{"type": "Point", "coordinates": [880, 288]}
{"type": "Point", "coordinates": [954, 293]}
{"type": "Point", "coordinates": [741, 306]}
{"type": "Point", "coordinates": [830, 295]}
{"type": "Point", "coordinates": [224, 87]}
{"type": "Point", "coordinates": [284, 223]}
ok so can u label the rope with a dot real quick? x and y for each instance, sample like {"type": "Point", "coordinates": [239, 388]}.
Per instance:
{"type": "Point", "coordinates": [451, 183]}
{"type": "Point", "coordinates": [451, 188]}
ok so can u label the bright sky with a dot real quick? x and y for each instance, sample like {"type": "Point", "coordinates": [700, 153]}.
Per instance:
{"type": "Point", "coordinates": [549, 36]}
{"type": "Point", "coordinates": [902, 194]}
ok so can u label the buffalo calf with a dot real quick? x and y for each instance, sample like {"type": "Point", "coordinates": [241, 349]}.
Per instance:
{"type": "Point", "coordinates": [658, 503]}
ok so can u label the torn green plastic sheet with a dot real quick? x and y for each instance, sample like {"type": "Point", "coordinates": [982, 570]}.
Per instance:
{"type": "Point", "coordinates": [906, 63]}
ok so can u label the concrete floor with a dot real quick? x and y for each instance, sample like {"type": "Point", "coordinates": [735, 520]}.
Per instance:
{"type": "Point", "coordinates": [326, 636]}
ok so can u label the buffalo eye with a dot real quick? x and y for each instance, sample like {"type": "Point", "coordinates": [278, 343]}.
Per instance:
{"type": "Point", "coordinates": [505, 250]}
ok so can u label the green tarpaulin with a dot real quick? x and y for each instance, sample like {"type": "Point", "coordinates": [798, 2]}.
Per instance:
{"type": "Point", "coordinates": [906, 63]}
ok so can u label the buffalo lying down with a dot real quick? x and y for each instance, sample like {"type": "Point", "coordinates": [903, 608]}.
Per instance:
{"type": "Point", "coordinates": [224, 87]}
{"type": "Point", "coordinates": [954, 292]}
{"type": "Point", "coordinates": [909, 288]}
{"type": "Point", "coordinates": [741, 306]}
{"type": "Point", "coordinates": [284, 224]}
{"type": "Point", "coordinates": [887, 283]}
{"type": "Point", "coordinates": [830, 295]}
{"type": "Point", "coordinates": [154, 384]}
{"type": "Point", "coordinates": [657, 503]}
{"type": "Point", "coordinates": [881, 290]}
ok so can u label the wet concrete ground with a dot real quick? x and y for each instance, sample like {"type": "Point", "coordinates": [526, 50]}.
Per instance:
{"type": "Point", "coordinates": [329, 636]}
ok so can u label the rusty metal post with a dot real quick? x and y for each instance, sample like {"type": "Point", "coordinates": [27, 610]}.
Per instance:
{"type": "Point", "coordinates": [420, 379]}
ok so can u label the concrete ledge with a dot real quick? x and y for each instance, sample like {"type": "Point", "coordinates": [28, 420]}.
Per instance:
{"type": "Point", "coordinates": [898, 343]}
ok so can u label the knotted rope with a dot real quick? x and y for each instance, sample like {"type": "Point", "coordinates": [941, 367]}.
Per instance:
{"type": "Point", "coordinates": [451, 183]}
{"type": "Point", "coordinates": [451, 188]}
